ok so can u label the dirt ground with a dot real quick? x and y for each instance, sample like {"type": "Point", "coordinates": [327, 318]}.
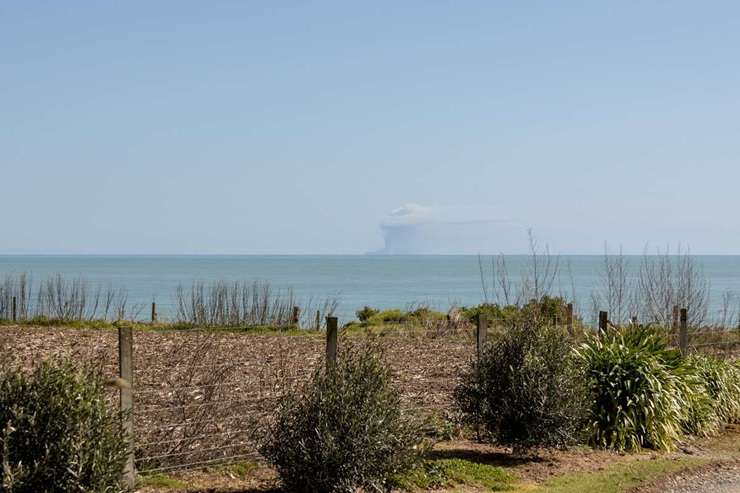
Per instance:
{"type": "Point", "coordinates": [202, 397]}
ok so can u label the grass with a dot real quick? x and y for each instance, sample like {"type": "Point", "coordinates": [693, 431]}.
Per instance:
{"type": "Point", "coordinates": [619, 477]}
{"type": "Point", "coordinates": [238, 469]}
{"type": "Point", "coordinates": [446, 473]}
{"type": "Point", "coordinates": [160, 481]}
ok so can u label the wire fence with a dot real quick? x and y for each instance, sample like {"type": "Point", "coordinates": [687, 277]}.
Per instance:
{"type": "Point", "coordinates": [204, 397]}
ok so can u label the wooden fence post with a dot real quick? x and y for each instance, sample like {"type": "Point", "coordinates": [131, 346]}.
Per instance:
{"type": "Point", "coordinates": [318, 319]}
{"type": "Point", "coordinates": [569, 318]}
{"type": "Point", "coordinates": [603, 322]}
{"type": "Point", "coordinates": [683, 332]}
{"type": "Point", "coordinates": [481, 334]}
{"type": "Point", "coordinates": [295, 318]}
{"type": "Point", "coordinates": [154, 312]}
{"type": "Point", "coordinates": [331, 341]}
{"type": "Point", "coordinates": [126, 396]}
{"type": "Point", "coordinates": [15, 312]}
{"type": "Point", "coordinates": [676, 313]}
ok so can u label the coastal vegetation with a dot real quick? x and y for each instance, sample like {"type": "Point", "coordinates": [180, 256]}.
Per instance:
{"type": "Point", "coordinates": [58, 432]}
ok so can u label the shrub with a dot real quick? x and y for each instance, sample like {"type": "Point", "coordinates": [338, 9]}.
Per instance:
{"type": "Point", "coordinates": [526, 390]}
{"type": "Point", "coordinates": [344, 430]}
{"type": "Point", "coordinates": [366, 313]}
{"type": "Point", "coordinates": [721, 379]}
{"type": "Point", "coordinates": [424, 313]}
{"type": "Point", "coordinates": [491, 310]}
{"type": "Point", "coordinates": [547, 309]}
{"type": "Point", "coordinates": [638, 390]}
{"type": "Point", "coordinates": [58, 433]}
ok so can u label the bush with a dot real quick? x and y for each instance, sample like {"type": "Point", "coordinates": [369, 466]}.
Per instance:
{"type": "Point", "coordinates": [366, 313]}
{"type": "Point", "coordinates": [547, 309]}
{"type": "Point", "coordinates": [344, 430]}
{"type": "Point", "coordinates": [638, 390]}
{"type": "Point", "coordinates": [721, 380]}
{"type": "Point", "coordinates": [526, 391]}
{"type": "Point", "coordinates": [58, 433]}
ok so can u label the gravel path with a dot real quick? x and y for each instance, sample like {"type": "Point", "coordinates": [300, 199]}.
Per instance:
{"type": "Point", "coordinates": [718, 479]}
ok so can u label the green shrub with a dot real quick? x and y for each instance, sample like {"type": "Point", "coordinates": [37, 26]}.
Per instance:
{"type": "Point", "coordinates": [424, 313]}
{"type": "Point", "coordinates": [58, 432]}
{"type": "Point", "coordinates": [638, 390]}
{"type": "Point", "coordinates": [344, 430]}
{"type": "Point", "coordinates": [527, 390]}
{"type": "Point", "coordinates": [387, 317]}
{"type": "Point", "coordinates": [547, 309]}
{"type": "Point", "coordinates": [491, 310]}
{"type": "Point", "coordinates": [721, 379]}
{"type": "Point", "coordinates": [366, 313]}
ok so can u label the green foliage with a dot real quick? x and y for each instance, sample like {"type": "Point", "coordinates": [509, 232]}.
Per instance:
{"type": "Point", "coordinates": [344, 430]}
{"type": "Point", "coordinates": [371, 317]}
{"type": "Point", "coordinates": [388, 316]}
{"type": "Point", "coordinates": [639, 396]}
{"type": "Point", "coordinates": [58, 433]}
{"type": "Point", "coordinates": [526, 391]}
{"type": "Point", "coordinates": [721, 380]}
{"type": "Point", "coordinates": [366, 313]}
{"type": "Point", "coordinates": [547, 309]}
{"type": "Point", "coordinates": [443, 473]}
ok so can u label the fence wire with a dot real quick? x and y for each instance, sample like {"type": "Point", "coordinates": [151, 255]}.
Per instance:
{"type": "Point", "coordinates": [203, 398]}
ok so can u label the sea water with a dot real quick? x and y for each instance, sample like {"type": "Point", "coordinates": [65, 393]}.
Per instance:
{"type": "Point", "coordinates": [381, 281]}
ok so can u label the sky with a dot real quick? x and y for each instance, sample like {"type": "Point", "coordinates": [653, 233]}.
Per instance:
{"type": "Point", "coordinates": [310, 127]}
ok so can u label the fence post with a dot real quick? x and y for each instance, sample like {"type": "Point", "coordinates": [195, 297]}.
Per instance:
{"type": "Point", "coordinates": [154, 312]}
{"type": "Point", "coordinates": [331, 341]}
{"type": "Point", "coordinates": [126, 396]}
{"type": "Point", "coordinates": [603, 321]}
{"type": "Point", "coordinates": [15, 313]}
{"type": "Point", "coordinates": [318, 319]}
{"type": "Point", "coordinates": [481, 334]}
{"type": "Point", "coordinates": [676, 312]}
{"type": "Point", "coordinates": [683, 333]}
{"type": "Point", "coordinates": [569, 318]}
{"type": "Point", "coordinates": [296, 316]}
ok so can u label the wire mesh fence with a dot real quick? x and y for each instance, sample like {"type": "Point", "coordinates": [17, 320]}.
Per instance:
{"type": "Point", "coordinates": [203, 397]}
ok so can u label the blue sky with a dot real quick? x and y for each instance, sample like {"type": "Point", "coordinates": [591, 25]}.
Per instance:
{"type": "Point", "coordinates": [297, 127]}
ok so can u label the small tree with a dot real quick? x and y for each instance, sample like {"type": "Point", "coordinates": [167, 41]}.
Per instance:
{"type": "Point", "coordinates": [526, 391]}
{"type": "Point", "coordinates": [57, 433]}
{"type": "Point", "coordinates": [344, 430]}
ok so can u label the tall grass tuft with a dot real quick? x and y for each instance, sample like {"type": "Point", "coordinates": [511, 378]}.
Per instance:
{"type": "Point", "coordinates": [64, 300]}
{"type": "Point", "coordinates": [639, 399]}
{"type": "Point", "coordinates": [240, 304]}
{"type": "Point", "coordinates": [15, 287]}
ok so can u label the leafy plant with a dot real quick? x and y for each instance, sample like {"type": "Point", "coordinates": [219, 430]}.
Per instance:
{"type": "Point", "coordinates": [526, 390]}
{"type": "Point", "coordinates": [638, 390]}
{"type": "Point", "coordinates": [344, 430]}
{"type": "Point", "coordinates": [57, 432]}
{"type": "Point", "coordinates": [366, 313]}
{"type": "Point", "coordinates": [721, 379]}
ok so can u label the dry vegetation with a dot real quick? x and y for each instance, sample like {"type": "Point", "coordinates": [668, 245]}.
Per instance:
{"type": "Point", "coordinates": [200, 396]}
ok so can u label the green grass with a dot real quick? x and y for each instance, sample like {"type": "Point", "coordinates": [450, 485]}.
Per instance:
{"type": "Point", "coordinates": [239, 469]}
{"type": "Point", "coordinates": [619, 478]}
{"type": "Point", "coordinates": [446, 473]}
{"type": "Point", "coordinates": [160, 481]}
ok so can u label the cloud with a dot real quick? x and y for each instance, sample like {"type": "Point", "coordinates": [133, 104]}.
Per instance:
{"type": "Point", "coordinates": [419, 229]}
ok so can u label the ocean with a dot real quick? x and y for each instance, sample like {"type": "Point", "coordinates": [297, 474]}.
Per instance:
{"type": "Point", "coordinates": [381, 281]}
